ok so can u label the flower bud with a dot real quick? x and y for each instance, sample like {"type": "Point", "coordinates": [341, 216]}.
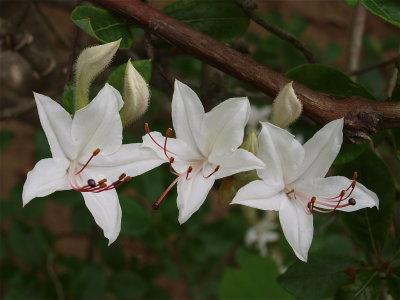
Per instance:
{"type": "Point", "coordinates": [251, 142]}
{"type": "Point", "coordinates": [90, 63]}
{"type": "Point", "coordinates": [286, 107]}
{"type": "Point", "coordinates": [136, 95]}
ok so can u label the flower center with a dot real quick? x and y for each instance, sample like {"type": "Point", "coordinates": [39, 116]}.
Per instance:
{"type": "Point", "coordinates": [326, 204]}
{"type": "Point", "coordinates": [194, 166]}
{"type": "Point", "coordinates": [92, 185]}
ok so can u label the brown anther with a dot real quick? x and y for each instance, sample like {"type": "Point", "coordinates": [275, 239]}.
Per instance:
{"type": "Point", "coordinates": [122, 176]}
{"type": "Point", "coordinates": [355, 176]}
{"type": "Point", "coordinates": [127, 178]}
{"type": "Point", "coordinates": [97, 151]}
{"type": "Point", "coordinates": [171, 160]}
{"type": "Point", "coordinates": [353, 184]}
{"type": "Point", "coordinates": [217, 168]}
{"type": "Point", "coordinates": [168, 132]}
{"type": "Point", "coordinates": [155, 205]}
{"type": "Point", "coordinates": [146, 127]}
{"type": "Point", "coordinates": [313, 199]}
{"type": "Point", "coordinates": [102, 181]}
{"type": "Point", "coordinates": [102, 185]}
{"type": "Point", "coordinates": [190, 169]}
{"type": "Point", "coordinates": [342, 193]}
{"type": "Point", "coordinates": [291, 191]}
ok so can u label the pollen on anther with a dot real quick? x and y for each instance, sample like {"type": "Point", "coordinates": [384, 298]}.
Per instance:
{"type": "Point", "coordinates": [103, 181]}
{"type": "Point", "coordinates": [97, 151]}
{"type": "Point", "coordinates": [171, 159]}
{"type": "Point", "coordinates": [168, 132]}
{"type": "Point", "coordinates": [122, 176]}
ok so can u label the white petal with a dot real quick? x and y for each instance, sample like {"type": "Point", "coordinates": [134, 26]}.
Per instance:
{"type": "Point", "coordinates": [106, 212]}
{"type": "Point", "coordinates": [320, 151]}
{"type": "Point", "coordinates": [239, 161]}
{"type": "Point", "coordinates": [48, 175]}
{"type": "Point", "coordinates": [280, 151]}
{"type": "Point", "coordinates": [224, 126]}
{"type": "Point", "coordinates": [187, 115]}
{"type": "Point", "coordinates": [259, 195]}
{"type": "Point", "coordinates": [98, 125]}
{"type": "Point", "coordinates": [297, 226]}
{"type": "Point", "coordinates": [57, 124]}
{"type": "Point", "coordinates": [131, 159]}
{"type": "Point", "coordinates": [331, 187]}
{"type": "Point", "coordinates": [192, 193]}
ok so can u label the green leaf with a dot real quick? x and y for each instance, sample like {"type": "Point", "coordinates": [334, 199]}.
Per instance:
{"type": "Point", "coordinates": [328, 80]}
{"type": "Point", "coordinates": [365, 286]}
{"type": "Point", "coordinates": [370, 225]}
{"type": "Point", "coordinates": [90, 283]}
{"type": "Point", "coordinates": [394, 135]}
{"type": "Point", "coordinates": [351, 2]}
{"type": "Point", "coordinates": [393, 284]}
{"type": "Point", "coordinates": [127, 285]}
{"type": "Point", "coordinates": [349, 152]}
{"type": "Point", "coordinates": [135, 220]}
{"type": "Point", "coordinates": [81, 219]}
{"type": "Point", "coordinates": [28, 245]}
{"type": "Point", "coordinates": [102, 25]}
{"type": "Point", "coordinates": [116, 78]}
{"type": "Point", "coordinates": [112, 255]}
{"type": "Point", "coordinates": [389, 10]}
{"type": "Point", "coordinates": [6, 137]}
{"type": "Point", "coordinates": [319, 278]}
{"type": "Point", "coordinates": [23, 287]}
{"type": "Point", "coordinates": [256, 279]}
{"type": "Point", "coordinates": [223, 20]}
{"type": "Point", "coordinates": [67, 99]}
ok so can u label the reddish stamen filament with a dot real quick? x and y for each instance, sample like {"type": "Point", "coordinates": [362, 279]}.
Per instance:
{"type": "Point", "coordinates": [95, 152]}
{"type": "Point", "coordinates": [213, 172]}
{"type": "Point", "coordinates": [334, 202]}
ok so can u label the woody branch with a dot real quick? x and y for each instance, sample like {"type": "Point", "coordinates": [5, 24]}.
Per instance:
{"type": "Point", "coordinates": [363, 117]}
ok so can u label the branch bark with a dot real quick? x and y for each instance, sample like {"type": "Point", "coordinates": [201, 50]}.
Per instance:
{"type": "Point", "coordinates": [362, 117]}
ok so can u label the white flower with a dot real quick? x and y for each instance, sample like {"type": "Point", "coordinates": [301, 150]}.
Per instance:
{"type": "Point", "coordinates": [205, 148]}
{"type": "Point", "coordinates": [262, 233]}
{"type": "Point", "coordinates": [88, 157]}
{"type": "Point", "coordinates": [293, 182]}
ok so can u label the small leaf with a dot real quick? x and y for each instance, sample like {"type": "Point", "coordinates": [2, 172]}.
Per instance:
{"type": "Point", "coordinates": [319, 278]}
{"type": "Point", "coordinates": [127, 285]}
{"type": "Point", "coordinates": [81, 219]}
{"type": "Point", "coordinates": [389, 10]}
{"type": "Point", "coordinates": [256, 279]}
{"type": "Point", "coordinates": [366, 286]}
{"type": "Point", "coordinates": [349, 152]}
{"type": "Point", "coordinates": [6, 137]}
{"type": "Point", "coordinates": [89, 283]}
{"type": "Point", "coordinates": [102, 25]}
{"type": "Point", "coordinates": [370, 225]}
{"type": "Point", "coordinates": [351, 2]}
{"type": "Point", "coordinates": [393, 284]}
{"type": "Point", "coordinates": [135, 220]}
{"type": "Point", "coordinates": [116, 77]}
{"type": "Point", "coordinates": [67, 99]}
{"type": "Point", "coordinates": [328, 80]}
{"type": "Point", "coordinates": [112, 255]}
{"type": "Point", "coordinates": [223, 20]}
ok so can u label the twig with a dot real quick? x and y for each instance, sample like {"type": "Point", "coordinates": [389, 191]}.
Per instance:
{"type": "Point", "coordinates": [362, 116]}
{"type": "Point", "coordinates": [377, 65]}
{"type": "Point", "coordinates": [250, 8]}
{"type": "Point", "coordinates": [12, 112]}
{"type": "Point", "coordinates": [49, 24]}
{"type": "Point", "coordinates": [54, 278]}
{"type": "Point", "coordinates": [357, 35]}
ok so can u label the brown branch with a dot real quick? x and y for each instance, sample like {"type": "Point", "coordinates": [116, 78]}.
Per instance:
{"type": "Point", "coordinates": [362, 117]}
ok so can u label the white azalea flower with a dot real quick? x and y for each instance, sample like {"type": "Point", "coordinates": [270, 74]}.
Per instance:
{"type": "Point", "coordinates": [205, 148]}
{"type": "Point", "coordinates": [88, 157]}
{"type": "Point", "coordinates": [293, 182]}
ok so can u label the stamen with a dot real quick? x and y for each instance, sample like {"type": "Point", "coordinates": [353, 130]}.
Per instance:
{"type": "Point", "coordinates": [91, 183]}
{"type": "Point", "coordinates": [352, 201]}
{"type": "Point", "coordinates": [147, 128]}
{"type": "Point", "coordinates": [167, 134]}
{"type": "Point", "coordinates": [291, 191]}
{"type": "Point", "coordinates": [213, 172]}
{"type": "Point", "coordinates": [189, 170]}
{"type": "Point", "coordinates": [156, 205]}
{"type": "Point", "coordinates": [95, 152]}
